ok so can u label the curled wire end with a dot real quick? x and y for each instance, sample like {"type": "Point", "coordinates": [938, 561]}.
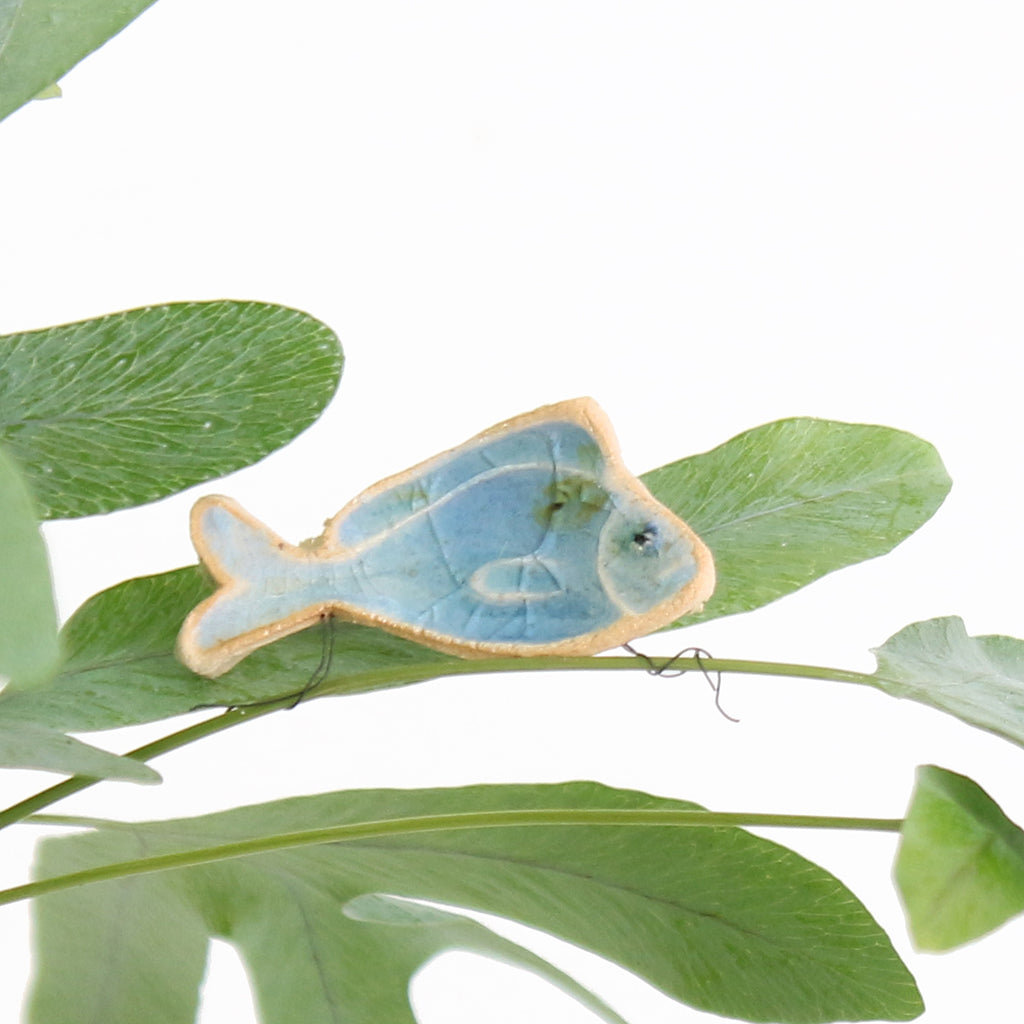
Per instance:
{"type": "Point", "coordinates": [669, 670]}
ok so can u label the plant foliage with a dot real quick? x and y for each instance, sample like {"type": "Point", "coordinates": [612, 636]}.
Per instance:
{"type": "Point", "coordinates": [120, 410]}
{"type": "Point", "coordinates": [113, 412]}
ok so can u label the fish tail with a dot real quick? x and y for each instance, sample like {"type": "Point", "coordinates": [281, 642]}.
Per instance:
{"type": "Point", "coordinates": [266, 588]}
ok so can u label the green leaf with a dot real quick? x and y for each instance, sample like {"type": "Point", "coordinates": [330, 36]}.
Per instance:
{"type": "Point", "coordinates": [715, 917]}
{"type": "Point", "coordinates": [131, 407]}
{"type": "Point", "coordinates": [120, 667]}
{"type": "Point", "coordinates": [27, 745]}
{"type": "Point", "coordinates": [29, 653]}
{"type": "Point", "coordinates": [790, 501]}
{"type": "Point", "coordinates": [41, 40]}
{"type": "Point", "coordinates": [960, 863]}
{"type": "Point", "coordinates": [978, 679]}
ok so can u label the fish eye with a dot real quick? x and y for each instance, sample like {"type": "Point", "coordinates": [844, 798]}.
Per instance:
{"type": "Point", "coordinates": [645, 536]}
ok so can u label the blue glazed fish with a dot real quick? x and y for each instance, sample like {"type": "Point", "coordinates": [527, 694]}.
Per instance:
{"type": "Point", "coordinates": [529, 539]}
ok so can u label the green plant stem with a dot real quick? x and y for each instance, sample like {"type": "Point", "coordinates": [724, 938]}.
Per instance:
{"type": "Point", "coordinates": [382, 678]}
{"type": "Point", "coordinates": [394, 827]}
{"type": "Point", "coordinates": [379, 679]}
{"type": "Point", "coordinates": [79, 821]}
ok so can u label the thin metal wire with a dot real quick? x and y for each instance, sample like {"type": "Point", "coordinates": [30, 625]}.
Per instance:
{"type": "Point", "coordinates": [667, 671]}
{"type": "Point", "coordinates": [318, 675]}
{"type": "Point", "coordinates": [324, 666]}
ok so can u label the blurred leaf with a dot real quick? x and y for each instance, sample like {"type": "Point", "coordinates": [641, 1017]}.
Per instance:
{"type": "Point", "coordinates": [27, 745]}
{"type": "Point", "coordinates": [787, 502]}
{"type": "Point", "coordinates": [40, 40]}
{"type": "Point", "coordinates": [28, 620]}
{"type": "Point", "coordinates": [120, 667]}
{"type": "Point", "coordinates": [978, 679]}
{"type": "Point", "coordinates": [715, 917]}
{"type": "Point", "coordinates": [128, 408]}
{"type": "Point", "coordinates": [960, 863]}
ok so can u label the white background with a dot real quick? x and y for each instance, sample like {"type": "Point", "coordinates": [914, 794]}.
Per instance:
{"type": "Point", "coordinates": [707, 216]}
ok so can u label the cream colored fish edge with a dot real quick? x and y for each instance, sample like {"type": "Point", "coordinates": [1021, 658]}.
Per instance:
{"type": "Point", "coordinates": [585, 412]}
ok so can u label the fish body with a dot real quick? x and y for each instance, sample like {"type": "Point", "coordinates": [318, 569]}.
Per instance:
{"type": "Point", "coordinates": [529, 539]}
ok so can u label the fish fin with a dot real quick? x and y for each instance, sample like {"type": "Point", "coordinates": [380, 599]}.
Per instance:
{"type": "Point", "coordinates": [264, 588]}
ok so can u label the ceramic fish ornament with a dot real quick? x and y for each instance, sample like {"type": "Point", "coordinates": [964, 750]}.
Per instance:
{"type": "Point", "coordinates": [531, 538]}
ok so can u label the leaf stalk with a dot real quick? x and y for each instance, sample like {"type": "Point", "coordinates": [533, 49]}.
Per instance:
{"type": "Point", "coordinates": [398, 827]}
{"type": "Point", "coordinates": [383, 678]}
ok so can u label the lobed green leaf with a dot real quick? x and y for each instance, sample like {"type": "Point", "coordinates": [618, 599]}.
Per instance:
{"type": "Point", "coordinates": [960, 864]}
{"type": "Point", "coordinates": [29, 651]}
{"type": "Point", "coordinates": [978, 679]}
{"type": "Point", "coordinates": [400, 937]}
{"type": "Point", "coordinates": [788, 502]}
{"type": "Point", "coordinates": [127, 408]}
{"type": "Point", "coordinates": [40, 41]}
{"type": "Point", "coordinates": [715, 917]}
